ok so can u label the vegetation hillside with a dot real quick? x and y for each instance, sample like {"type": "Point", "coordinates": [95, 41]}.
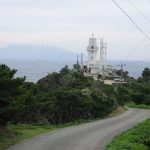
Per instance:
{"type": "Point", "coordinates": [62, 97]}
{"type": "Point", "coordinates": [58, 98]}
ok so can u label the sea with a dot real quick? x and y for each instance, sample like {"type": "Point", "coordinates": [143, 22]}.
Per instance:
{"type": "Point", "coordinates": [37, 69]}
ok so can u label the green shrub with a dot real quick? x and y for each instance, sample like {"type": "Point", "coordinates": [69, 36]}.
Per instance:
{"type": "Point", "coordinates": [137, 138]}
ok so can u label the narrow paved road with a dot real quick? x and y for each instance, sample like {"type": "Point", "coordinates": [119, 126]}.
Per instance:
{"type": "Point", "coordinates": [90, 136]}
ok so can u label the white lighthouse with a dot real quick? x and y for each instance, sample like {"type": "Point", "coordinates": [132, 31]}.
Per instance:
{"type": "Point", "coordinates": [96, 58]}
{"type": "Point", "coordinates": [92, 50]}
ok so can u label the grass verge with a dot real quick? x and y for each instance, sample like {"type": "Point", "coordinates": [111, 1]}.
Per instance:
{"type": "Point", "coordinates": [12, 134]}
{"type": "Point", "coordinates": [118, 111]}
{"type": "Point", "coordinates": [137, 138]}
{"type": "Point", "coordinates": [134, 105]}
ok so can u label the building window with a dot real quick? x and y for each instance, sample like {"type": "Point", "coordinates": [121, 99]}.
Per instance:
{"type": "Point", "coordinates": [92, 52]}
{"type": "Point", "coordinates": [92, 47]}
{"type": "Point", "coordinates": [91, 57]}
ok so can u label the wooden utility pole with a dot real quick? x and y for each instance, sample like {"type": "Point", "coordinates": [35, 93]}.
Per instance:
{"type": "Point", "coordinates": [122, 65]}
{"type": "Point", "coordinates": [81, 61]}
{"type": "Point", "coordinates": [77, 65]}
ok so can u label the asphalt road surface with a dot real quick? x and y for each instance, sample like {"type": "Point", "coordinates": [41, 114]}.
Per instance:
{"type": "Point", "coordinates": [89, 136]}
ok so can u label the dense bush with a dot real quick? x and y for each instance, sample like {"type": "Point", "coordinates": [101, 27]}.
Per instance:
{"type": "Point", "coordinates": [139, 93]}
{"type": "Point", "coordinates": [146, 75]}
{"type": "Point", "coordinates": [10, 89]}
{"type": "Point", "coordinates": [57, 98]}
{"type": "Point", "coordinates": [63, 105]}
{"type": "Point", "coordinates": [62, 97]}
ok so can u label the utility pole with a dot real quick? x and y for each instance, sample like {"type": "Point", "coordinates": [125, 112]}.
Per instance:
{"type": "Point", "coordinates": [122, 65]}
{"type": "Point", "coordinates": [77, 62]}
{"type": "Point", "coordinates": [81, 61]}
{"type": "Point", "coordinates": [106, 55]}
{"type": "Point", "coordinates": [121, 73]}
{"type": "Point", "coordinates": [103, 72]}
{"type": "Point", "coordinates": [77, 59]}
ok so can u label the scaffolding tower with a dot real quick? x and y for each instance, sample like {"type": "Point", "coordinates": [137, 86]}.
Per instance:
{"type": "Point", "coordinates": [103, 56]}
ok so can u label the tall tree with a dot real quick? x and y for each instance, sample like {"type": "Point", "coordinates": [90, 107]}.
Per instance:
{"type": "Point", "coordinates": [9, 89]}
{"type": "Point", "coordinates": [146, 75]}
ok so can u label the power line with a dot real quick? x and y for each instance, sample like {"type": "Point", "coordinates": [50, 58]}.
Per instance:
{"type": "Point", "coordinates": [130, 63]}
{"type": "Point", "coordinates": [135, 48]}
{"type": "Point", "coordinates": [131, 20]}
{"type": "Point", "coordinates": [138, 45]}
{"type": "Point", "coordinates": [137, 61]}
{"type": "Point", "coordinates": [139, 11]}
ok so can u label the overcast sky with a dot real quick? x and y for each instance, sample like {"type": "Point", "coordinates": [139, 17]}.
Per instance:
{"type": "Point", "coordinates": [69, 24]}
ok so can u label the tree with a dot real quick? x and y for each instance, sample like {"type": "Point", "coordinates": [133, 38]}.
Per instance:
{"type": "Point", "coordinates": [57, 98]}
{"type": "Point", "coordinates": [65, 70]}
{"type": "Point", "coordinates": [146, 75]}
{"type": "Point", "coordinates": [124, 73]}
{"type": "Point", "coordinates": [9, 89]}
{"type": "Point", "coordinates": [77, 67]}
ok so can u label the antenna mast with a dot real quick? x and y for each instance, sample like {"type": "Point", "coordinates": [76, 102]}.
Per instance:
{"type": "Point", "coordinates": [81, 60]}
{"type": "Point", "coordinates": [103, 56]}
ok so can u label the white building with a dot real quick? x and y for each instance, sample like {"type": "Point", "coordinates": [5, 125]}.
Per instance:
{"type": "Point", "coordinates": [96, 58]}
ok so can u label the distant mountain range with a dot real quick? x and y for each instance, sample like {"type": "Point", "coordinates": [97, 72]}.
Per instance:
{"type": "Point", "coordinates": [36, 52]}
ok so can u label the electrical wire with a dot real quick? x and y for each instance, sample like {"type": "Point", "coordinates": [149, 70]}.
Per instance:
{"type": "Point", "coordinates": [124, 64]}
{"type": "Point", "coordinates": [131, 20]}
{"type": "Point", "coordinates": [130, 63]}
{"type": "Point", "coordinates": [138, 45]}
{"type": "Point", "coordinates": [136, 48]}
{"type": "Point", "coordinates": [139, 11]}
